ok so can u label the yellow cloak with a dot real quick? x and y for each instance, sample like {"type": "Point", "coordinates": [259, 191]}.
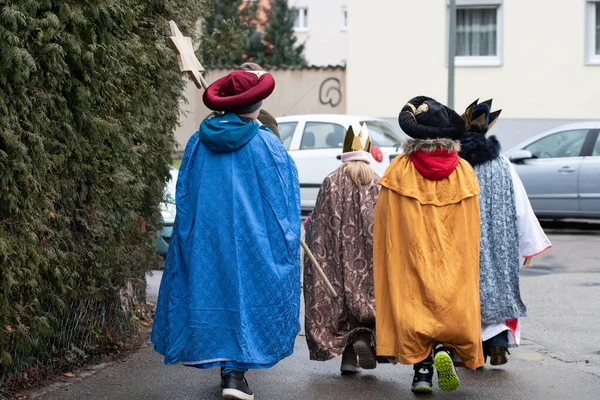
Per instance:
{"type": "Point", "coordinates": [426, 264]}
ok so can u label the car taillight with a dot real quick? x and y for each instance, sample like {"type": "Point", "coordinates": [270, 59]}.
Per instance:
{"type": "Point", "coordinates": [376, 153]}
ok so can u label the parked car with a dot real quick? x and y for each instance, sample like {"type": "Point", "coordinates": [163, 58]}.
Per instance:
{"type": "Point", "coordinates": [315, 143]}
{"type": "Point", "coordinates": [168, 211]}
{"type": "Point", "coordinates": [560, 170]}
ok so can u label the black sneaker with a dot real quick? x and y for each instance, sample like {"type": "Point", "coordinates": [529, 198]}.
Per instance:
{"type": "Point", "coordinates": [423, 380]}
{"type": "Point", "coordinates": [447, 377]}
{"type": "Point", "coordinates": [365, 350]}
{"type": "Point", "coordinates": [235, 386]}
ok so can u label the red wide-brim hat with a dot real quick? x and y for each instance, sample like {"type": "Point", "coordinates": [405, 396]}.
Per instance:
{"type": "Point", "coordinates": [238, 90]}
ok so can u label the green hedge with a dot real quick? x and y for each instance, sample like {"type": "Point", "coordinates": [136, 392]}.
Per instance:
{"type": "Point", "coordinates": [89, 98]}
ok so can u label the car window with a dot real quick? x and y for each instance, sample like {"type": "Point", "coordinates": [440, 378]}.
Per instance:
{"type": "Point", "coordinates": [286, 130]}
{"type": "Point", "coordinates": [382, 134]}
{"type": "Point", "coordinates": [322, 135]}
{"type": "Point", "coordinates": [596, 150]}
{"type": "Point", "coordinates": [559, 145]}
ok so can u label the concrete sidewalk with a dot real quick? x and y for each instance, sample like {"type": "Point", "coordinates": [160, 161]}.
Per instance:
{"type": "Point", "coordinates": [559, 357]}
{"type": "Point", "coordinates": [529, 375]}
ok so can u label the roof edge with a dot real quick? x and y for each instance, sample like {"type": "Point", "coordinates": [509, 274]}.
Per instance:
{"type": "Point", "coordinates": [267, 67]}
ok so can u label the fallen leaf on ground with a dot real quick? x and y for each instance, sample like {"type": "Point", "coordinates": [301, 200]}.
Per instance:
{"type": "Point", "coordinates": [69, 374]}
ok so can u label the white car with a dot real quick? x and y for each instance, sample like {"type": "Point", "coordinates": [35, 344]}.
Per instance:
{"type": "Point", "coordinates": [168, 211]}
{"type": "Point", "coordinates": [315, 143]}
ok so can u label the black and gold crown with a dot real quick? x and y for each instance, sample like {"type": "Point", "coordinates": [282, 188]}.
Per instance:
{"type": "Point", "coordinates": [360, 142]}
{"type": "Point", "coordinates": [479, 118]}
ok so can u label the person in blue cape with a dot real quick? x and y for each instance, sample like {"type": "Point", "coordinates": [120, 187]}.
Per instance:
{"type": "Point", "coordinates": [230, 292]}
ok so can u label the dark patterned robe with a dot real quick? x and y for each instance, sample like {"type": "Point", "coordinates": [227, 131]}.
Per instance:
{"type": "Point", "coordinates": [340, 234]}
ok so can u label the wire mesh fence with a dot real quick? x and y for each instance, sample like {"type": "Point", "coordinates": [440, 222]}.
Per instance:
{"type": "Point", "coordinates": [69, 337]}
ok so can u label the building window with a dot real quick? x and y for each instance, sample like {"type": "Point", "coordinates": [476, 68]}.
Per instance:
{"type": "Point", "coordinates": [301, 21]}
{"type": "Point", "coordinates": [597, 26]}
{"type": "Point", "coordinates": [592, 51]}
{"type": "Point", "coordinates": [478, 33]}
{"type": "Point", "coordinates": [344, 18]}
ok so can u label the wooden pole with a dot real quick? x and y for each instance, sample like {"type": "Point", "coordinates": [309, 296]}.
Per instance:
{"type": "Point", "coordinates": [318, 268]}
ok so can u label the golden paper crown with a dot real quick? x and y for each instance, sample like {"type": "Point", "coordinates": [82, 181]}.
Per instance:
{"type": "Point", "coordinates": [359, 142]}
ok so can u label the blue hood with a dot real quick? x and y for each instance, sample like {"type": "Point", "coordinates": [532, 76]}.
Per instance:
{"type": "Point", "coordinates": [227, 133]}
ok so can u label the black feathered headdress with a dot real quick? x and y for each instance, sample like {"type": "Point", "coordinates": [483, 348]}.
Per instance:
{"type": "Point", "coordinates": [476, 148]}
{"type": "Point", "coordinates": [425, 118]}
{"type": "Point", "coordinates": [479, 118]}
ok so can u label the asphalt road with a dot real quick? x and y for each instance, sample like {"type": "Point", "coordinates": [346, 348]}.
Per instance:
{"type": "Point", "coordinates": [559, 358]}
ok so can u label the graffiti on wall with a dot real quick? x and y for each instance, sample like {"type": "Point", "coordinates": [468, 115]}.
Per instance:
{"type": "Point", "coordinates": [330, 92]}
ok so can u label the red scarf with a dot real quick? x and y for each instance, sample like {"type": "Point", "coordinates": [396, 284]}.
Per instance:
{"type": "Point", "coordinates": [437, 165]}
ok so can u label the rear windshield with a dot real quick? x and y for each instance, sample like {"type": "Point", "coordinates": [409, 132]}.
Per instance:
{"type": "Point", "coordinates": [382, 134]}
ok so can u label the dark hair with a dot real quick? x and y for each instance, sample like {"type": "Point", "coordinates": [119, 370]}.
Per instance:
{"type": "Point", "coordinates": [269, 121]}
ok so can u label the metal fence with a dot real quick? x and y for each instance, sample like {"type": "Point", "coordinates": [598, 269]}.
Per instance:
{"type": "Point", "coordinates": [72, 336]}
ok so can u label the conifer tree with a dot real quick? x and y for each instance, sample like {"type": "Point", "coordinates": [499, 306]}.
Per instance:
{"type": "Point", "coordinates": [227, 19]}
{"type": "Point", "coordinates": [90, 95]}
{"type": "Point", "coordinates": [281, 46]}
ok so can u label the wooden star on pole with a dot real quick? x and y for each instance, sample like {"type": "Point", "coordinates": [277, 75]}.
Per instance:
{"type": "Point", "coordinates": [188, 62]}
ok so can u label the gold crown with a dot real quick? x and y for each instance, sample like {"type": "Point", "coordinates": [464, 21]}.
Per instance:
{"type": "Point", "coordinates": [359, 142]}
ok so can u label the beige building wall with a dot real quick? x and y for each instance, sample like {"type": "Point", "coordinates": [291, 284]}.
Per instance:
{"type": "Point", "coordinates": [297, 91]}
{"type": "Point", "coordinates": [325, 38]}
{"type": "Point", "coordinates": [397, 50]}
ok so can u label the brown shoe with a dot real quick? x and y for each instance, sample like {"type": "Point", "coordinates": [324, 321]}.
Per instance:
{"type": "Point", "coordinates": [498, 355]}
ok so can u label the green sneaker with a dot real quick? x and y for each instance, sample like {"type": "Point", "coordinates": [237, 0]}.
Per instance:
{"type": "Point", "coordinates": [447, 378]}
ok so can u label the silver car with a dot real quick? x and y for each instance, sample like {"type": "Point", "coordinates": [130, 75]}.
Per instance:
{"type": "Point", "coordinates": [560, 170]}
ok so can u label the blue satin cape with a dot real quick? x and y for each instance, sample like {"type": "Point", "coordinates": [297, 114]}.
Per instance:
{"type": "Point", "coordinates": [230, 291]}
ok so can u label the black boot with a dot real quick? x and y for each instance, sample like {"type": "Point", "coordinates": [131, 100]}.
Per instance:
{"type": "Point", "coordinates": [496, 348]}
{"type": "Point", "coordinates": [235, 386]}
{"type": "Point", "coordinates": [365, 350]}
{"type": "Point", "coordinates": [423, 380]}
{"type": "Point", "coordinates": [498, 355]}
{"type": "Point", "coordinates": [349, 361]}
